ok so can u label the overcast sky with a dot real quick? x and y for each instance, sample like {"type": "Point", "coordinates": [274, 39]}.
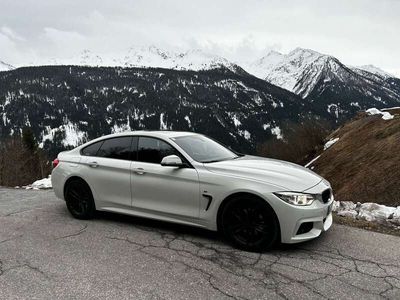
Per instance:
{"type": "Point", "coordinates": [357, 32]}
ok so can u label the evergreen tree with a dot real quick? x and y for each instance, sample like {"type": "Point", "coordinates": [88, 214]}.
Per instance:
{"type": "Point", "coordinates": [28, 139]}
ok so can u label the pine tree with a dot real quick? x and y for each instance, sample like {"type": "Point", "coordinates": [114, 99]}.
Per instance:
{"type": "Point", "coordinates": [28, 139]}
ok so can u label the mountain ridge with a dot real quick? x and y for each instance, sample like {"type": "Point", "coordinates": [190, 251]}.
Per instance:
{"type": "Point", "coordinates": [218, 92]}
{"type": "Point", "coordinates": [147, 57]}
{"type": "Point", "coordinates": [67, 105]}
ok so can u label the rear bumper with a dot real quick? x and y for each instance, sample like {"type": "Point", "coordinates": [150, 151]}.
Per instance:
{"type": "Point", "coordinates": [57, 181]}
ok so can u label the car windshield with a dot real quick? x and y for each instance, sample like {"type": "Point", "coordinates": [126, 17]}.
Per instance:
{"type": "Point", "coordinates": [203, 149]}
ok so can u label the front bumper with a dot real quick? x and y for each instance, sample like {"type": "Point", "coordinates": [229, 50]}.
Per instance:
{"type": "Point", "coordinates": [320, 222]}
{"type": "Point", "coordinates": [303, 223]}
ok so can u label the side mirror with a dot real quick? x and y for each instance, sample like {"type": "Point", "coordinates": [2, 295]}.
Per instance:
{"type": "Point", "coordinates": [172, 161]}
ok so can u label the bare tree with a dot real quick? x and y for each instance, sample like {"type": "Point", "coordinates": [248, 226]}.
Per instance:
{"type": "Point", "coordinates": [301, 142]}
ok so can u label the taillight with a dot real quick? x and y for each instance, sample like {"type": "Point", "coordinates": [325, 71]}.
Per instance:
{"type": "Point", "coordinates": [55, 163]}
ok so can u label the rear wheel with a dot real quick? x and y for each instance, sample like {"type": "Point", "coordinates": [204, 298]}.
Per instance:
{"type": "Point", "coordinates": [249, 223]}
{"type": "Point", "coordinates": [79, 199]}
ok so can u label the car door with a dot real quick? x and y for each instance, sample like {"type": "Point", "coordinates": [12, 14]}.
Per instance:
{"type": "Point", "coordinates": [108, 171]}
{"type": "Point", "coordinates": [161, 189]}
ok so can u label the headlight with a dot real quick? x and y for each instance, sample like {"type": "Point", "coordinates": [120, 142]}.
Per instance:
{"type": "Point", "coordinates": [296, 198]}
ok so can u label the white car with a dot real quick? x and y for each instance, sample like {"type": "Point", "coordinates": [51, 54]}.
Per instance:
{"type": "Point", "coordinates": [188, 178]}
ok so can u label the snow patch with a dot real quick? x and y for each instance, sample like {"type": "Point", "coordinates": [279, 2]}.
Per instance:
{"type": "Point", "coordinates": [163, 125]}
{"type": "Point", "coordinates": [236, 121]}
{"type": "Point", "coordinates": [371, 212]}
{"type": "Point", "coordinates": [312, 161]}
{"type": "Point", "coordinates": [277, 132]}
{"type": "Point", "coordinates": [73, 136]}
{"type": "Point", "coordinates": [188, 121]}
{"type": "Point", "coordinates": [330, 143]}
{"type": "Point", "coordinates": [245, 134]}
{"type": "Point", "coordinates": [266, 126]}
{"type": "Point", "coordinates": [40, 184]}
{"type": "Point", "coordinates": [385, 115]}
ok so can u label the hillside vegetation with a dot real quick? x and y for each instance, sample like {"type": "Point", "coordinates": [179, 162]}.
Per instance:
{"type": "Point", "coordinates": [364, 164]}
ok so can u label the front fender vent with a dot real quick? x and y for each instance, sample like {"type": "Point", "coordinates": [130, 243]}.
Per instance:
{"type": "Point", "coordinates": [209, 199]}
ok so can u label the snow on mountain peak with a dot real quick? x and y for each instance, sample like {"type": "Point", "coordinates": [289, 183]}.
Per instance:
{"type": "Point", "coordinates": [149, 57]}
{"type": "Point", "coordinates": [288, 70]}
{"type": "Point", "coordinates": [5, 66]}
{"type": "Point", "coordinates": [258, 67]}
{"type": "Point", "coordinates": [375, 70]}
{"type": "Point", "coordinates": [194, 59]}
{"type": "Point", "coordinates": [304, 52]}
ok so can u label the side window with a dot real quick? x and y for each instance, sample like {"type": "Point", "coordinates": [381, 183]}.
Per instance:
{"type": "Point", "coordinates": [118, 148]}
{"type": "Point", "coordinates": [92, 149]}
{"type": "Point", "coordinates": [152, 150]}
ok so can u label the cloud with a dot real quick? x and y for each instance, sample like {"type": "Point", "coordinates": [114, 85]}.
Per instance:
{"type": "Point", "coordinates": [358, 32]}
{"type": "Point", "coordinates": [11, 34]}
{"type": "Point", "coordinates": [61, 38]}
{"type": "Point", "coordinates": [8, 48]}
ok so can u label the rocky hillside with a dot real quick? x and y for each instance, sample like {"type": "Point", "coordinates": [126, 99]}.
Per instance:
{"type": "Point", "coordinates": [362, 159]}
{"type": "Point", "coordinates": [67, 105]}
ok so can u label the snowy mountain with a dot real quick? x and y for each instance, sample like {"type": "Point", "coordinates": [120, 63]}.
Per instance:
{"type": "Point", "coordinates": [79, 98]}
{"type": "Point", "coordinates": [335, 90]}
{"type": "Point", "coordinates": [149, 57]}
{"type": "Point", "coordinates": [5, 67]}
{"type": "Point", "coordinates": [67, 105]}
{"type": "Point", "coordinates": [298, 71]}
{"type": "Point", "coordinates": [375, 70]}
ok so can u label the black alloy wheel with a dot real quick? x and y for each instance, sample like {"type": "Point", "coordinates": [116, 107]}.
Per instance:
{"type": "Point", "coordinates": [249, 223]}
{"type": "Point", "coordinates": [79, 199]}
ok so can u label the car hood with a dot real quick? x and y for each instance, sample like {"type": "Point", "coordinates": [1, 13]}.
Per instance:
{"type": "Point", "coordinates": [283, 174]}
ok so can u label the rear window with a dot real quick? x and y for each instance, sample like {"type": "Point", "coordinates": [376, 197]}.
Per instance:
{"type": "Point", "coordinates": [117, 148]}
{"type": "Point", "coordinates": [92, 149]}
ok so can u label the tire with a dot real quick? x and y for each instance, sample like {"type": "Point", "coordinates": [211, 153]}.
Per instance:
{"type": "Point", "coordinates": [79, 199]}
{"type": "Point", "coordinates": [250, 224]}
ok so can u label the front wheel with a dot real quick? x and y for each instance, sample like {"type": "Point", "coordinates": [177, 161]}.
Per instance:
{"type": "Point", "coordinates": [249, 223]}
{"type": "Point", "coordinates": [79, 199]}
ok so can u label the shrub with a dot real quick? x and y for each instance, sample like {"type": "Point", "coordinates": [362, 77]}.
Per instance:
{"type": "Point", "coordinates": [301, 142]}
{"type": "Point", "coordinates": [20, 163]}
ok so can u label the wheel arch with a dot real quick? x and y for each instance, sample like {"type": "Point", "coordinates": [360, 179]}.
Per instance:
{"type": "Point", "coordinates": [72, 178]}
{"type": "Point", "coordinates": [242, 194]}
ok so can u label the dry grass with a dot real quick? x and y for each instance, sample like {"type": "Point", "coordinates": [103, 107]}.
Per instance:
{"type": "Point", "coordinates": [364, 165]}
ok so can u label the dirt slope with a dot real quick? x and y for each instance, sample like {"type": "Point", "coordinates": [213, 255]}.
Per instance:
{"type": "Point", "coordinates": [364, 164]}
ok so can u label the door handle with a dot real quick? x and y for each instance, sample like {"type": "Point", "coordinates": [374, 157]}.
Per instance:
{"type": "Point", "coordinates": [139, 171]}
{"type": "Point", "coordinates": [93, 164]}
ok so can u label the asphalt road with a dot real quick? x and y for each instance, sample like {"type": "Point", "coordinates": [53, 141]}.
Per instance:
{"type": "Point", "coordinates": [46, 254]}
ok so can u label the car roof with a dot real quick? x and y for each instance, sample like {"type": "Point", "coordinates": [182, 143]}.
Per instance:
{"type": "Point", "coordinates": [154, 133]}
